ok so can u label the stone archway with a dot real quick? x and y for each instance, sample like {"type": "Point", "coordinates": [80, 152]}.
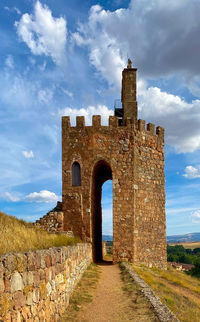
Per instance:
{"type": "Point", "coordinates": [101, 173]}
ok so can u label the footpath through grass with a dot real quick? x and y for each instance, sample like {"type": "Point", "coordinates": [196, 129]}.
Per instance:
{"type": "Point", "coordinates": [180, 292]}
{"type": "Point", "coordinates": [83, 293]}
{"type": "Point", "coordinates": [19, 236]}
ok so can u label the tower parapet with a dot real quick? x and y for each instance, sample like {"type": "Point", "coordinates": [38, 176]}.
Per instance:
{"type": "Point", "coordinates": [138, 125]}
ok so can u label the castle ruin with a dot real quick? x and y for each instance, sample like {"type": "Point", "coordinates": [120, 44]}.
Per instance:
{"type": "Point", "coordinates": [130, 154]}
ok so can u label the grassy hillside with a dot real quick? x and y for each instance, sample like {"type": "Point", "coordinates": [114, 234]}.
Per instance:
{"type": "Point", "coordinates": [18, 236]}
{"type": "Point", "coordinates": [180, 292]}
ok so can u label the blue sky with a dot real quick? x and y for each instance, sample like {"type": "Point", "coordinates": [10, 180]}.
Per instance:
{"type": "Point", "coordinates": [65, 58]}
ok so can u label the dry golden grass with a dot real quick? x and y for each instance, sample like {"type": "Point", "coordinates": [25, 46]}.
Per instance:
{"type": "Point", "coordinates": [180, 292]}
{"type": "Point", "coordinates": [18, 236]}
{"type": "Point", "coordinates": [187, 245]}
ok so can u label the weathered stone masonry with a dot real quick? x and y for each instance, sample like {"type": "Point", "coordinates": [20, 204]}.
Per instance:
{"type": "Point", "coordinates": [130, 154]}
{"type": "Point", "coordinates": [53, 220]}
{"type": "Point", "coordinates": [37, 285]}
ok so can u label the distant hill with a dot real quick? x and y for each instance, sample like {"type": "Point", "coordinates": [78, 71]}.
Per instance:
{"type": "Point", "coordinates": [107, 238]}
{"type": "Point", "coordinates": [192, 237]}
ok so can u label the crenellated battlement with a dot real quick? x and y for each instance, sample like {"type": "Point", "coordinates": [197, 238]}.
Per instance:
{"type": "Point", "coordinates": [129, 124]}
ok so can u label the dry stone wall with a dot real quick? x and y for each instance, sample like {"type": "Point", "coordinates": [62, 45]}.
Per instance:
{"type": "Point", "coordinates": [36, 286]}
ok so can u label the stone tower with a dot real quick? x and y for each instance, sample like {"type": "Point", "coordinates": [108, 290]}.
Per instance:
{"type": "Point", "coordinates": [130, 154]}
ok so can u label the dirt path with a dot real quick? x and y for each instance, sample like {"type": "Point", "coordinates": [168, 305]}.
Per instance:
{"type": "Point", "coordinates": [111, 303]}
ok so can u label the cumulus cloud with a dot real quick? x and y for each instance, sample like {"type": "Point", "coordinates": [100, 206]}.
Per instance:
{"type": "Point", "coordinates": [43, 33]}
{"type": "Point", "coordinates": [161, 37]}
{"type": "Point", "coordinates": [196, 217]}
{"type": "Point", "coordinates": [180, 119]}
{"type": "Point", "coordinates": [87, 112]}
{"type": "Point", "coordinates": [9, 197]}
{"type": "Point", "coordinates": [192, 172]}
{"type": "Point", "coordinates": [28, 154]}
{"type": "Point", "coordinates": [104, 50]}
{"type": "Point", "coordinates": [42, 196]}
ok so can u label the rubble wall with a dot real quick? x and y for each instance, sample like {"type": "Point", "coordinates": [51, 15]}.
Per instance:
{"type": "Point", "coordinates": [37, 285]}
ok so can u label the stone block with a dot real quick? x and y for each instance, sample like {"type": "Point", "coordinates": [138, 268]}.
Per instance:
{"type": "Point", "coordinates": [28, 278]}
{"type": "Point", "coordinates": [2, 286]}
{"type": "Point", "coordinates": [37, 277]}
{"type": "Point", "coordinates": [7, 284]}
{"type": "Point", "coordinates": [43, 290]}
{"type": "Point", "coordinates": [16, 282]}
{"type": "Point", "coordinates": [29, 298]}
{"type": "Point", "coordinates": [19, 300]}
{"type": "Point", "coordinates": [31, 261]}
{"type": "Point", "coordinates": [48, 260]}
{"type": "Point", "coordinates": [36, 295]}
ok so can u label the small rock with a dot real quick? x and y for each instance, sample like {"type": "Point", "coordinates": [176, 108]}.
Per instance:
{"type": "Point", "coordinates": [16, 283]}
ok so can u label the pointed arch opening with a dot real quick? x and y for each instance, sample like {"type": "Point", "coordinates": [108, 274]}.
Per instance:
{"type": "Point", "coordinates": [101, 173]}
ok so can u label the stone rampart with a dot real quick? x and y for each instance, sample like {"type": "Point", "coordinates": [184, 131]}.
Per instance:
{"type": "Point", "coordinates": [37, 285]}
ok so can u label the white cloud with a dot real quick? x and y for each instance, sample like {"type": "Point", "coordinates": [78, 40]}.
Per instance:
{"type": "Point", "coordinates": [43, 33]}
{"type": "Point", "coordinates": [159, 35]}
{"type": "Point", "coordinates": [42, 196]}
{"type": "Point", "coordinates": [9, 62]}
{"type": "Point", "coordinates": [28, 154]}
{"type": "Point", "coordinates": [104, 51]}
{"type": "Point", "coordinates": [87, 112]}
{"type": "Point", "coordinates": [192, 172]}
{"type": "Point", "coordinates": [196, 217]}
{"type": "Point", "coordinates": [9, 197]}
{"type": "Point", "coordinates": [180, 119]}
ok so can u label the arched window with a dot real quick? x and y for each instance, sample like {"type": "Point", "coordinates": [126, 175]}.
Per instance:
{"type": "Point", "coordinates": [76, 174]}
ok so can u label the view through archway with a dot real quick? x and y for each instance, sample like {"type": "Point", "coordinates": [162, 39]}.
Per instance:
{"type": "Point", "coordinates": [101, 173]}
{"type": "Point", "coordinates": [107, 217]}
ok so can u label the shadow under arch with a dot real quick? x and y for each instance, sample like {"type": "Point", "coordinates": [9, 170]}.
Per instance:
{"type": "Point", "coordinates": [101, 173]}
